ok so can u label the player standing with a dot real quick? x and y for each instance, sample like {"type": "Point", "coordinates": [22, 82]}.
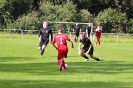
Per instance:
{"type": "Point", "coordinates": [87, 48]}
{"type": "Point", "coordinates": [76, 31]}
{"type": "Point", "coordinates": [61, 40]}
{"type": "Point", "coordinates": [88, 29]}
{"type": "Point", "coordinates": [43, 36]}
{"type": "Point", "coordinates": [98, 33]}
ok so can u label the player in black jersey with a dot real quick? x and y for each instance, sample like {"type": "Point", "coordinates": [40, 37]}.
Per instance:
{"type": "Point", "coordinates": [43, 36]}
{"type": "Point", "coordinates": [88, 29]}
{"type": "Point", "coordinates": [76, 31]}
{"type": "Point", "coordinates": [87, 48]}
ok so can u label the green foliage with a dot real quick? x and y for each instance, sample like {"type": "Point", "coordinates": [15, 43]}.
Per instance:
{"type": "Point", "coordinates": [112, 20]}
{"type": "Point", "coordinates": [11, 9]}
{"type": "Point", "coordinates": [65, 12]}
{"type": "Point", "coordinates": [27, 22]}
{"type": "Point", "coordinates": [85, 16]}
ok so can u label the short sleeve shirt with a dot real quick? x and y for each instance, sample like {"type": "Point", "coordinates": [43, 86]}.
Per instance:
{"type": "Point", "coordinates": [86, 42]}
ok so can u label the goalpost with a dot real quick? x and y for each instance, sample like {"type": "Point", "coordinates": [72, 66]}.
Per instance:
{"type": "Point", "coordinates": [69, 26]}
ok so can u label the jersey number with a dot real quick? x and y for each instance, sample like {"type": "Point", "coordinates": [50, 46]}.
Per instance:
{"type": "Point", "coordinates": [61, 41]}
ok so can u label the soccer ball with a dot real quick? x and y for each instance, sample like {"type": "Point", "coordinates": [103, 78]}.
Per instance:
{"type": "Point", "coordinates": [66, 65]}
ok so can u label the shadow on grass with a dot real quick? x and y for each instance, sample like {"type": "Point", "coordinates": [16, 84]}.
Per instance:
{"type": "Point", "coordinates": [51, 68]}
{"type": "Point", "coordinates": [46, 69]}
{"type": "Point", "coordinates": [60, 84]}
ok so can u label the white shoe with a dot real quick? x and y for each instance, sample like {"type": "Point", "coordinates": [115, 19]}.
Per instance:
{"type": "Point", "coordinates": [100, 59]}
{"type": "Point", "coordinates": [86, 59]}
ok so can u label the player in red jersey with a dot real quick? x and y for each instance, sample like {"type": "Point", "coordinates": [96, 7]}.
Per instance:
{"type": "Point", "coordinates": [98, 33]}
{"type": "Point", "coordinates": [61, 45]}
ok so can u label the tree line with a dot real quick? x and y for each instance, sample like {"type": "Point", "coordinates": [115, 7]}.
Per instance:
{"type": "Point", "coordinates": [113, 15]}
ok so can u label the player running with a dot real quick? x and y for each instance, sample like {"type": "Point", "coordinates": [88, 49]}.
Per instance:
{"type": "Point", "coordinates": [61, 40]}
{"type": "Point", "coordinates": [43, 36]}
{"type": "Point", "coordinates": [87, 48]}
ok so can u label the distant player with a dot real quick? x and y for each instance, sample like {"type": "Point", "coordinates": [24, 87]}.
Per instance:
{"type": "Point", "coordinates": [61, 40]}
{"type": "Point", "coordinates": [76, 31]}
{"type": "Point", "coordinates": [98, 33]}
{"type": "Point", "coordinates": [88, 30]}
{"type": "Point", "coordinates": [43, 36]}
{"type": "Point", "coordinates": [87, 48]}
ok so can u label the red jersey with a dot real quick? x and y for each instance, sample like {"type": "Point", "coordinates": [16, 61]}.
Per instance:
{"type": "Point", "coordinates": [61, 39]}
{"type": "Point", "coordinates": [98, 32]}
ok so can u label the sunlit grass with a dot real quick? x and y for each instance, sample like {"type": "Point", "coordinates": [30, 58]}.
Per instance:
{"type": "Point", "coordinates": [21, 66]}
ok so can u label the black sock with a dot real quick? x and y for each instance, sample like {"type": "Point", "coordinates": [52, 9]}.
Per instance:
{"type": "Point", "coordinates": [75, 39]}
{"type": "Point", "coordinates": [42, 51]}
{"type": "Point", "coordinates": [97, 59]}
{"type": "Point", "coordinates": [85, 57]}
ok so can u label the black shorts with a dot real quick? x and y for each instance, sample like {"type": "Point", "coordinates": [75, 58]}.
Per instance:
{"type": "Point", "coordinates": [86, 49]}
{"type": "Point", "coordinates": [43, 42]}
{"type": "Point", "coordinates": [76, 34]}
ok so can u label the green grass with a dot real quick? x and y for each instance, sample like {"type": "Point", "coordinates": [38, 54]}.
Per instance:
{"type": "Point", "coordinates": [21, 66]}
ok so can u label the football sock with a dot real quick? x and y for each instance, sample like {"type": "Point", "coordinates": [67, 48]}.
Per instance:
{"type": "Point", "coordinates": [97, 59]}
{"type": "Point", "coordinates": [75, 39]}
{"type": "Point", "coordinates": [85, 57]}
{"type": "Point", "coordinates": [63, 64]}
{"type": "Point", "coordinates": [42, 51]}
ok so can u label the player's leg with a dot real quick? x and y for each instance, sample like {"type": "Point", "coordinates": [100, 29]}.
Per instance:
{"type": "Point", "coordinates": [81, 53]}
{"type": "Point", "coordinates": [43, 49]}
{"type": "Point", "coordinates": [77, 35]}
{"type": "Point", "coordinates": [97, 41]}
{"type": "Point", "coordinates": [60, 58]}
{"type": "Point", "coordinates": [65, 51]}
{"type": "Point", "coordinates": [40, 47]}
{"type": "Point", "coordinates": [62, 53]}
{"type": "Point", "coordinates": [74, 38]}
{"type": "Point", "coordinates": [94, 57]}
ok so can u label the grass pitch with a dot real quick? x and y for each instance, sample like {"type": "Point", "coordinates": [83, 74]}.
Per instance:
{"type": "Point", "coordinates": [21, 66]}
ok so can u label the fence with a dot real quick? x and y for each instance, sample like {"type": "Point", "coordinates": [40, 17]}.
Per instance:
{"type": "Point", "coordinates": [33, 34]}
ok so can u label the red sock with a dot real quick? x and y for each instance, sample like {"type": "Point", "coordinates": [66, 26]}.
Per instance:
{"type": "Point", "coordinates": [63, 64]}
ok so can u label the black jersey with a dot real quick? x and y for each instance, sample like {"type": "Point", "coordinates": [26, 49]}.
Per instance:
{"type": "Point", "coordinates": [44, 33]}
{"type": "Point", "coordinates": [89, 29]}
{"type": "Point", "coordinates": [86, 42]}
{"type": "Point", "coordinates": [76, 29]}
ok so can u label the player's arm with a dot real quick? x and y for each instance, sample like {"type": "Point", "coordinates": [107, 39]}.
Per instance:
{"type": "Point", "coordinates": [89, 48]}
{"type": "Point", "coordinates": [51, 35]}
{"type": "Point", "coordinates": [73, 30]}
{"type": "Point", "coordinates": [53, 43]}
{"type": "Point", "coordinates": [39, 35]}
{"type": "Point", "coordinates": [80, 30]}
{"type": "Point", "coordinates": [55, 46]}
{"type": "Point", "coordinates": [72, 44]}
{"type": "Point", "coordinates": [87, 31]}
{"type": "Point", "coordinates": [79, 47]}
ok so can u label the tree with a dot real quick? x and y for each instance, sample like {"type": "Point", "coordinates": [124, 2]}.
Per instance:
{"type": "Point", "coordinates": [112, 20]}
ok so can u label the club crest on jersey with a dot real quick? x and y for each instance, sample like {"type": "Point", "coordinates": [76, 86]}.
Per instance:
{"type": "Point", "coordinates": [46, 31]}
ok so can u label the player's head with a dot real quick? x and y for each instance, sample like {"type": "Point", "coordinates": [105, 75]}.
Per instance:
{"type": "Point", "coordinates": [82, 36]}
{"type": "Point", "coordinates": [60, 30]}
{"type": "Point", "coordinates": [77, 24]}
{"type": "Point", "coordinates": [89, 24]}
{"type": "Point", "coordinates": [45, 24]}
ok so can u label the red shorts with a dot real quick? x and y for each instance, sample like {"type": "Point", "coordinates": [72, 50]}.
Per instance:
{"type": "Point", "coordinates": [62, 52]}
{"type": "Point", "coordinates": [98, 35]}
